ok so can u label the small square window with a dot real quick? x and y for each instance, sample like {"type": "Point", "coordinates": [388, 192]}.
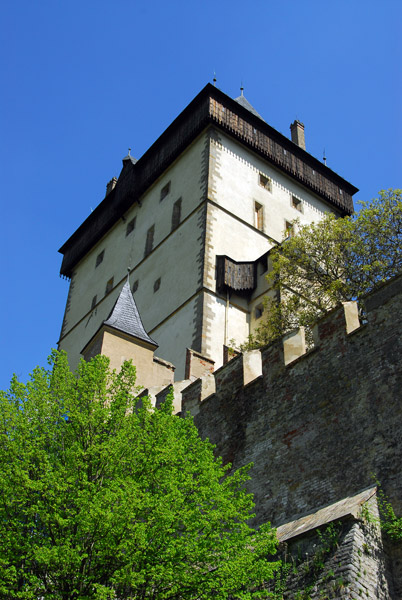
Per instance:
{"type": "Point", "coordinates": [258, 311]}
{"type": "Point", "coordinates": [130, 226]}
{"type": "Point", "coordinates": [297, 203]}
{"type": "Point", "coordinates": [93, 302]}
{"type": "Point", "coordinates": [265, 182]}
{"type": "Point", "coordinates": [109, 286]}
{"type": "Point", "coordinates": [135, 286]}
{"type": "Point", "coordinates": [99, 258]}
{"type": "Point", "coordinates": [157, 284]}
{"type": "Point", "coordinates": [165, 191]}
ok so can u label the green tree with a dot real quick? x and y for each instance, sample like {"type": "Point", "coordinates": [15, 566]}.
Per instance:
{"type": "Point", "coordinates": [102, 498]}
{"type": "Point", "coordinates": [330, 262]}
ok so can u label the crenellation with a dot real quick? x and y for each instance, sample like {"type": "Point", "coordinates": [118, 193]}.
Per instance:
{"type": "Point", "coordinates": [320, 426]}
{"type": "Point", "coordinates": [229, 378]}
{"type": "Point", "coordinates": [294, 345]}
{"type": "Point", "coordinates": [196, 392]}
{"type": "Point", "coordinates": [273, 361]}
{"type": "Point", "coordinates": [252, 366]}
{"type": "Point", "coordinates": [176, 390]}
{"type": "Point", "coordinates": [335, 325]}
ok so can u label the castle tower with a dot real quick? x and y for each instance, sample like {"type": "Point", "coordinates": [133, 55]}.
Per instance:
{"type": "Point", "coordinates": [122, 337]}
{"type": "Point", "coordinates": [194, 218]}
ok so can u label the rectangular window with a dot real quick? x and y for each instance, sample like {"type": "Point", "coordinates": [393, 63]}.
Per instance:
{"type": "Point", "coordinates": [263, 265]}
{"type": "Point", "coordinates": [109, 286]}
{"type": "Point", "coordinates": [130, 227]}
{"type": "Point", "coordinates": [297, 204]}
{"type": "Point", "coordinates": [93, 302]}
{"type": "Point", "coordinates": [149, 243]}
{"type": "Point", "coordinates": [265, 182]}
{"type": "Point", "coordinates": [258, 216]}
{"type": "Point", "coordinates": [258, 311]}
{"type": "Point", "coordinates": [165, 191]}
{"type": "Point", "coordinates": [289, 229]}
{"type": "Point", "coordinates": [99, 258]}
{"type": "Point", "coordinates": [176, 214]}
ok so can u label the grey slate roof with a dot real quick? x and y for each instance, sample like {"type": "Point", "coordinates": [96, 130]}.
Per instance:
{"type": "Point", "coordinates": [125, 317]}
{"type": "Point", "coordinates": [246, 104]}
{"type": "Point", "coordinates": [129, 158]}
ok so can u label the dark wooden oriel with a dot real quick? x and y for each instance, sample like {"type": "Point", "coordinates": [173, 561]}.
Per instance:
{"type": "Point", "coordinates": [236, 276]}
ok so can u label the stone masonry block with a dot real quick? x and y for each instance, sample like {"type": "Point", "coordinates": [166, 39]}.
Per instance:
{"type": "Point", "coordinates": [229, 378]}
{"type": "Point", "coordinates": [252, 366]}
{"type": "Point", "coordinates": [294, 345]}
{"type": "Point", "coordinates": [337, 324]}
{"type": "Point", "coordinates": [351, 310]}
{"type": "Point", "coordinates": [193, 395]}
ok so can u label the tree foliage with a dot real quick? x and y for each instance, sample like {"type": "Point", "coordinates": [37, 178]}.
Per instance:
{"type": "Point", "coordinates": [330, 262]}
{"type": "Point", "coordinates": [388, 519]}
{"type": "Point", "coordinates": [102, 498]}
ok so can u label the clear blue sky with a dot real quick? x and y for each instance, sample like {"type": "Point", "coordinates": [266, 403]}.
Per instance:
{"type": "Point", "coordinates": [83, 81]}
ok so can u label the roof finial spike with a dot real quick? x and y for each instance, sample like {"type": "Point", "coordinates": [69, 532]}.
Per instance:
{"type": "Point", "coordinates": [129, 150]}
{"type": "Point", "coordinates": [128, 274]}
{"type": "Point", "coordinates": [241, 89]}
{"type": "Point", "coordinates": [324, 158]}
{"type": "Point", "coordinates": [214, 79]}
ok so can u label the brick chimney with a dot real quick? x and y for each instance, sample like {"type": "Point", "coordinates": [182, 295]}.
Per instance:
{"type": "Point", "coordinates": [110, 185]}
{"type": "Point", "coordinates": [297, 132]}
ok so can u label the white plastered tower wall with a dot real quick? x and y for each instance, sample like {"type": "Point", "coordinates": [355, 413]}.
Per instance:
{"type": "Point", "coordinates": [233, 190]}
{"type": "Point", "coordinates": [176, 260]}
{"type": "Point", "coordinates": [217, 178]}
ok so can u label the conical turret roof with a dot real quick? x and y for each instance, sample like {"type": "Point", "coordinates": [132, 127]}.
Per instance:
{"type": "Point", "coordinates": [125, 316]}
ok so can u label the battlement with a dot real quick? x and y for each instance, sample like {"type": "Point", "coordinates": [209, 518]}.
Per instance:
{"type": "Point", "coordinates": [252, 364]}
{"type": "Point", "coordinates": [316, 423]}
{"type": "Point", "coordinates": [330, 332]}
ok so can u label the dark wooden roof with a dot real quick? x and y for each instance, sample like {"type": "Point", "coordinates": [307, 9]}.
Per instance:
{"type": "Point", "coordinates": [210, 106]}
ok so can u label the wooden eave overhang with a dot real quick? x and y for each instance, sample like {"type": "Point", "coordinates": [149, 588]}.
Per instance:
{"type": "Point", "coordinates": [210, 106]}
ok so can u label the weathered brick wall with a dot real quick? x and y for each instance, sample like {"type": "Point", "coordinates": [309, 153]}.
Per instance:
{"type": "Point", "coordinates": [336, 552]}
{"type": "Point", "coordinates": [355, 567]}
{"type": "Point", "coordinates": [318, 428]}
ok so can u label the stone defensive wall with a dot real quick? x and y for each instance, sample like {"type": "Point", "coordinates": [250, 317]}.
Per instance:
{"type": "Point", "coordinates": [317, 425]}
{"type": "Point", "coordinates": [320, 426]}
